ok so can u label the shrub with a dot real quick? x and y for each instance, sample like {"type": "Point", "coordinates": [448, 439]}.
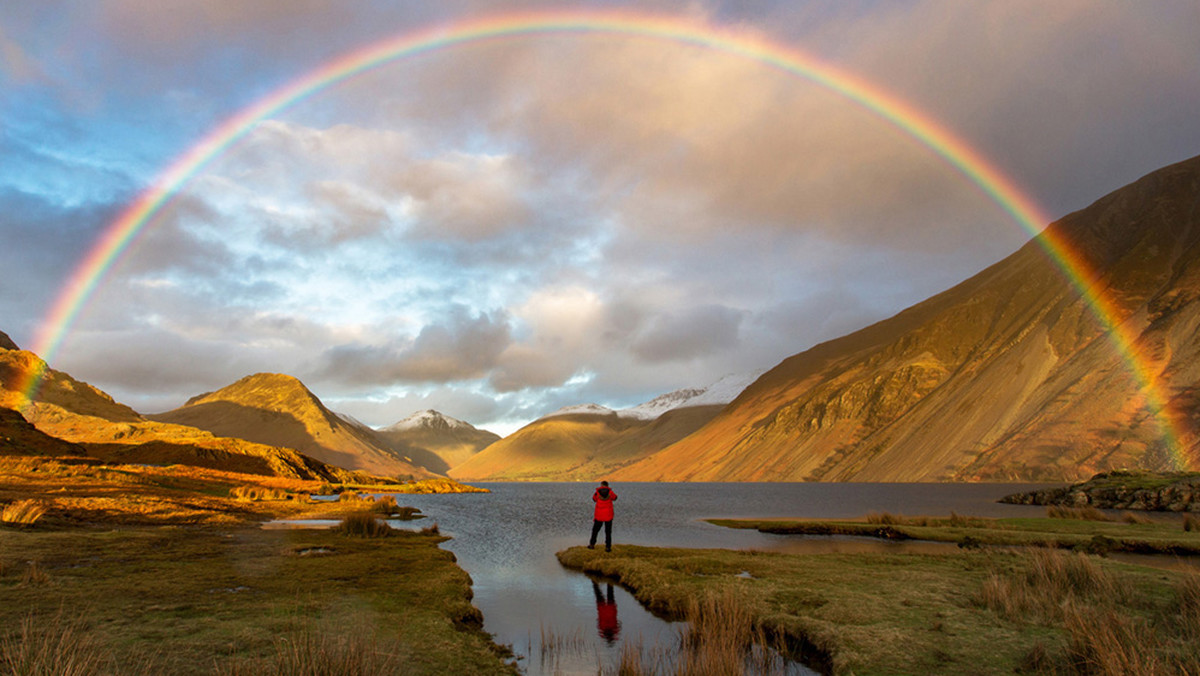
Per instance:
{"type": "Point", "coordinates": [365, 525]}
{"type": "Point", "coordinates": [23, 512]}
{"type": "Point", "coordinates": [431, 530]}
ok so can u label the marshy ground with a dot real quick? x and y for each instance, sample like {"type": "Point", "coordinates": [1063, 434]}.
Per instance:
{"type": "Point", "coordinates": [159, 570]}
{"type": "Point", "coordinates": [982, 609]}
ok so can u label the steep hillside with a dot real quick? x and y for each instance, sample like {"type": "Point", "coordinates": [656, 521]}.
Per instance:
{"type": "Point", "coordinates": [79, 417]}
{"type": "Point", "coordinates": [278, 410]}
{"type": "Point", "coordinates": [19, 437]}
{"type": "Point", "coordinates": [580, 446]}
{"type": "Point", "coordinates": [451, 441]}
{"type": "Point", "coordinates": [1006, 376]}
{"type": "Point", "coordinates": [7, 343]}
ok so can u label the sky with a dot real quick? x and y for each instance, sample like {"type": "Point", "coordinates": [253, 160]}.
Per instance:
{"type": "Point", "coordinates": [500, 228]}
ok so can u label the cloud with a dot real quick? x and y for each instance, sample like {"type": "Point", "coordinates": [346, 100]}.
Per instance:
{"type": "Point", "coordinates": [462, 347]}
{"type": "Point", "coordinates": [687, 335]}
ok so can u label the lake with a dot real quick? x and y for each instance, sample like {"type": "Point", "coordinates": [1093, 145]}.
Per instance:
{"type": "Point", "coordinates": [506, 540]}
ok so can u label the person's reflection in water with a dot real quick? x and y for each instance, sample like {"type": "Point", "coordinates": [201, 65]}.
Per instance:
{"type": "Point", "coordinates": [606, 614]}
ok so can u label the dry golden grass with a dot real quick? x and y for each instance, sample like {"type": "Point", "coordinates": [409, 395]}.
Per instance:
{"type": "Point", "coordinates": [258, 493]}
{"type": "Point", "coordinates": [55, 645]}
{"type": "Point", "coordinates": [35, 576]}
{"type": "Point", "coordinates": [364, 525]}
{"type": "Point", "coordinates": [1190, 523]}
{"type": "Point", "coordinates": [23, 512]}
{"type": "Point", "coordinates": [1081, 513]}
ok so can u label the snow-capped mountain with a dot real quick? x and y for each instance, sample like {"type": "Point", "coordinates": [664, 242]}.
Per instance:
{"type": "Point", "coordinates": [428, 419]}
{"type": "Point", "coordinates": [581, 409]}
{"type": "Point", "coordinates": [723, 391]}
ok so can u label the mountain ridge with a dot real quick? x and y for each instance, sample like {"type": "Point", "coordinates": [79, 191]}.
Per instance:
{"type": "Point", "coordinates": [1005, 376]}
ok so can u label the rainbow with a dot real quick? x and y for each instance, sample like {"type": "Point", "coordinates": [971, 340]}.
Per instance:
{"type": "Point", "coordinates": [118, 237]}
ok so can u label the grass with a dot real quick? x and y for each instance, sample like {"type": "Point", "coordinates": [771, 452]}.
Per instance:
{"type": "Point", "coordinates": [980, 611]}
{"type": "Point", "coordinates": [1135, 535]}
{"type": "Point", "coordinates": [364, 525]}
{"type": "Point", "coordinates": [241, 600]}
{"type": "Point", "coordinates": [164, 570]}
{"type": "Point", "coordinates": [23, 512]}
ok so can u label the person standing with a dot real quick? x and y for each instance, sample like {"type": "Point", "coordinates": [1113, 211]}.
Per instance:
{"type": "Point", "coordinates": [604, 497]}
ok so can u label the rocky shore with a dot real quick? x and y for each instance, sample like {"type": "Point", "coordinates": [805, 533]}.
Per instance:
{"type": "Point", "coordinates": [1145, 491]}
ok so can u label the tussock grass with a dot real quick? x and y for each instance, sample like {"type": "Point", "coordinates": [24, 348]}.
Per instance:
{"type": "Point", "coordinates": [1130, 517]}
{"type": "Point", "coordinates": [35, 576]}
{"type": "Point", "coordinates": [1104, 641]}
{"type": "Point", "coordinates": [364, 525]}
{"type": "Point", "coordinates": [431, 530]}
{"type": "Point", "coordinates": [1050, 581]}
{"type": "Point", "coordinates": [317, 653]}
{"type": "Point", "coordinates": [1081, 513]}
{"type": "Point", "coordinates": [23, 512]}
{"type": "Point", "coordinates": [258, 493]}
{"type": "Point", "coordinates": [53, 646]}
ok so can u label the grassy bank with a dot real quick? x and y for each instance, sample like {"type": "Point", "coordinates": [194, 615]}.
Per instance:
{"type": "Point", "coordinates": [144, 570]}
{"type": "Point", "coordinates": [1068, 530]}
{"type": "Point", "coordinates": [981, 612]}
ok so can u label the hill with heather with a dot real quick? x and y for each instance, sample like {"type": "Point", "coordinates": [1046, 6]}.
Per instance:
{"type": "Point", "coordinates": [448, 440]}
{"type": "Point", "coordinates": [1007, 376]}
{"type": "Point", "coordinates": [278, 410]}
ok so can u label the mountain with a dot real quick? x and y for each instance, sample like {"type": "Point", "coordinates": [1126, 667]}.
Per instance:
{"type": "Point", "coordinates": [278, 410]}
{"type": "Point", "coordinates": [70, 417]}
{"type": "Point", "coordinates": [7, 343]}
{"type": "Point", "coordinates": [720, 393]}
{"type": "Point", "coordinates": [19, 437]}
{"type": "Point", "coordinates": [1006, 376]}
{"type": "Point", "coordinates": [449, 440]}
{"type": "Point", "coordinates": [590, 441]}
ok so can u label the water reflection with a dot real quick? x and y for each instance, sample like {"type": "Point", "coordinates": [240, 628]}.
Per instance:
{"type": "Point", "coordinates": [607, 624]}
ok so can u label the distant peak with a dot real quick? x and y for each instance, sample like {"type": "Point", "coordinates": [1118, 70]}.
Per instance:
{"type": "Point", "coordinates": [428, 419]}
{"type": "Point", "coordinates": [7, 343]}
{"type": "Point", "coordinates": [582, 409]}
{"type": "Point", "coordinates": [721, 392]}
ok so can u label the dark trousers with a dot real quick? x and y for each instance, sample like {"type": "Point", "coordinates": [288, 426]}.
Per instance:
{"type": "Point", "coordinates": [607, 533]}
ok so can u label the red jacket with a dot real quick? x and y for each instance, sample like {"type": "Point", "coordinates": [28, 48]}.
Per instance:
{"type": "Point", "coordinates": [604, 497]}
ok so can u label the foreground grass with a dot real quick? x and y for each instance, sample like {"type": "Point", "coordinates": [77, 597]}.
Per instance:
{"type": "Point", "coordinates": [191, 600]}
{"type": "Point", "coordinates": [979, 612]}
{"type": "Point", "coordinates": [165, 570]}
{"type": "Point", "coordinates": [1168, 536]}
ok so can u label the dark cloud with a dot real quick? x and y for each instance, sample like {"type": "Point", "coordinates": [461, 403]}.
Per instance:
{"type": "Point", "coordinates": [687, 335]}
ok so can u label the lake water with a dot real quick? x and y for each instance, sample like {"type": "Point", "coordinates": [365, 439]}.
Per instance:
{"type": "Point", "coordinates": [506, 540]}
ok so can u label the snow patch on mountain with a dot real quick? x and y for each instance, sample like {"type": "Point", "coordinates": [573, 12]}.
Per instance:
{"type": "Point", "coordinates": [428, 419]}
{"type": "Point", "coordinates": [721, 392]}
{"type": "Point", "coordinates": [582, 409]}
